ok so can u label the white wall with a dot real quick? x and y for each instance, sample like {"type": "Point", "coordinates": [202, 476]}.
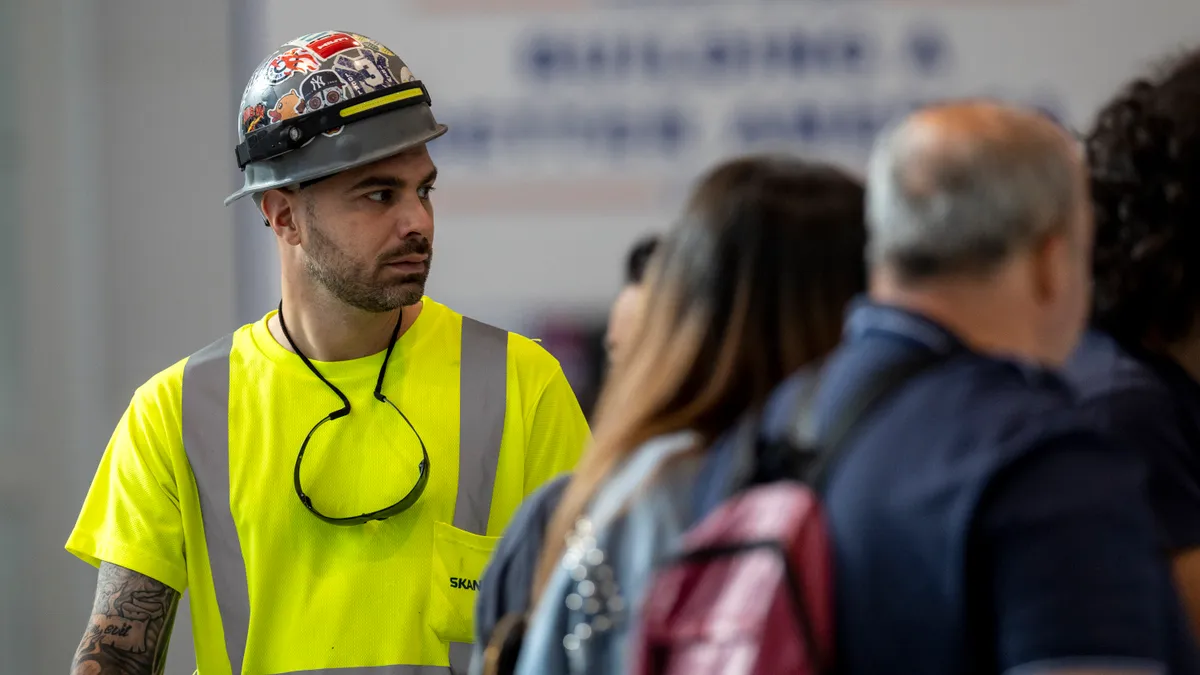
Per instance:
{"type": "Point", "coordinates": [126, 265]}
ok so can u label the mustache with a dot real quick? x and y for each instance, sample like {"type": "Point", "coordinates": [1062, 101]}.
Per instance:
{"type": "Point", "coordinates": [411, 246]}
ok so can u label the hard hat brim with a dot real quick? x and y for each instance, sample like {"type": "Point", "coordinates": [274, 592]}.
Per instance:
{"type": "Point", "coordinates": [358, 144]}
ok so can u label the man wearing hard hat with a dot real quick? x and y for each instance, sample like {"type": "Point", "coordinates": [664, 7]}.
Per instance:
{"type": "Point", "coordinates": [327, 482]}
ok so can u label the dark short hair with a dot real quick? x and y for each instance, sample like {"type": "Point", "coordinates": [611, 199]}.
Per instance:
{"type": "Point", "coordinates": [1144, 165]}
{"type": "Point", "coordinates": [639, 258]}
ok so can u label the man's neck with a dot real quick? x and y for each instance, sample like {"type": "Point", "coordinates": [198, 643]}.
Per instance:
{"type": "Point", "coordinates": [326, 329]}
{"type": "Point", "coordinates": [976, 313]}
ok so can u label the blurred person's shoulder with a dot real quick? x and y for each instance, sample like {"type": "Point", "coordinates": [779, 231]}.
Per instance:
{"type": "Point", "coordinates": [1132, 394]}
{"type": "Point", "coordinates": [1012, 407]}
{"type": "Point", "coordinates": [1101, 369]}
{"type": "Point", "coordinates": [969, 414]}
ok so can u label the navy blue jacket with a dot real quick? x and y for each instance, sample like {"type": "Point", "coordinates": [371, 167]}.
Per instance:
{"type": "Point", "coordinates": [981, 524]}
{"type": "Point", "coordinates": [1148, 403]}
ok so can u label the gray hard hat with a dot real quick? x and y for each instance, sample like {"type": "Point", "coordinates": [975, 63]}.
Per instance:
{"type": "Point", "coordinates": [324, 103]}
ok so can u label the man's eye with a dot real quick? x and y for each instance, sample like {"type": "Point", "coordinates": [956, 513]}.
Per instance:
{"type": "Point", "coordinates": [425, 192]}
{"type": "Point", "coordinates": [381, 196]}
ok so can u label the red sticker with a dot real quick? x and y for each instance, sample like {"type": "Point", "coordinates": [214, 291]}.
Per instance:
{"type": "Point", "coordinates": [332, 44]}
{"type": "Point", "coordinates": [253, 116]}
{"type": "Point", "coordinates": [289, 63]}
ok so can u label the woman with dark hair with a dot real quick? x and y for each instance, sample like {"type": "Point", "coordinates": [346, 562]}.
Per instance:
{"type": "Point", "coordinates": [1139, 371]}
{"type": "Point", "coordinates": [750, 286]}
{"type": "Point", "coordinates": [623, 316]}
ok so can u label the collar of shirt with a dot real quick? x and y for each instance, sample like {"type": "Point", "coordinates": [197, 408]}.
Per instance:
{"type": "Point", "coordinates": [869, 319]}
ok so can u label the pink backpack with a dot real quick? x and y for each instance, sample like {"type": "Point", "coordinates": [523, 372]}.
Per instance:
{"type": "Point", "coordinates": [748, 595]}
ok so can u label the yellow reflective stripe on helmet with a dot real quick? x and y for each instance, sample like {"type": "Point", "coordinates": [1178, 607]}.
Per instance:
{"type": "Point", "coordinates": [382, 100]}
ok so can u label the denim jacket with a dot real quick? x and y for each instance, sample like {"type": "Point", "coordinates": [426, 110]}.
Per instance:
{"type": "Point", "coordinates": [582, 622]}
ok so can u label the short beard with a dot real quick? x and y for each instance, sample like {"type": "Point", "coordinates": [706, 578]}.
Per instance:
{"type": "Point", "coordinates": [354, 283]}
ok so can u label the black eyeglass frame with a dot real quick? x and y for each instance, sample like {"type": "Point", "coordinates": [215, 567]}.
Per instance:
{"type": "Point", "coordinates": [414, 494]}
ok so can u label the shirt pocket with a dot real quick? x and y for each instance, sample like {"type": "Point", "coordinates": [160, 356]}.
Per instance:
{"type": "Point", "coordinates": [458, 561]}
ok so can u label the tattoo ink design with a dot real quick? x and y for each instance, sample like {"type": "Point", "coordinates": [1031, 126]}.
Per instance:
{"type": "Point", "coordinates": [130, 627]}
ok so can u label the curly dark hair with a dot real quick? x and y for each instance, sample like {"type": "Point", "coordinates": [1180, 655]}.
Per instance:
{"type": "Point", "coordinates": [1144, 163]}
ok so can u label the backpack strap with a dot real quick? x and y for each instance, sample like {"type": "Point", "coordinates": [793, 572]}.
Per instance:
{"type": "Point", "coordinates": [856, 408]}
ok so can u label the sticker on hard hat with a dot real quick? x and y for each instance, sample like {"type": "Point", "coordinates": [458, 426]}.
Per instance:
{"type": "Point", "coordinates": [368, 42]}
{"type": "Point", "coordinates": [290, 105]}
{"type": "Point", "coordinates": [328, 44]}
{"type": "Point", "coordinates": [366, 72]}
{"type": "Point", "coordinates": [254, 117]}
{"type": "Point", "coordinates": [298, 60]}
{"type": "Point", "coordinates": [322, 88]}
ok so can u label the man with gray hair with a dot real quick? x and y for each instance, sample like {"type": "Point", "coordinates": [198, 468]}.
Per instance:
{"type": "Point", "coordinates": [978, 525]}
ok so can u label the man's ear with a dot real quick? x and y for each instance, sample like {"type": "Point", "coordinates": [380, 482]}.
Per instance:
{"type": "Point", "coordinates": [1052, 267]}
{"type": "Point", "coordinates": [279, 210]}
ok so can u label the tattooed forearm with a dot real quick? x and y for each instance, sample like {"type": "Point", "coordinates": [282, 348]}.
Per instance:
{"type": "Point", "coordinates": [130, 627]}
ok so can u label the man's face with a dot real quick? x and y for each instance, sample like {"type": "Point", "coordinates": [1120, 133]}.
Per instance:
{"type": "Point", "coordinates": [367, 233]}
{"type": "Point", "coordinates": [623, 319]}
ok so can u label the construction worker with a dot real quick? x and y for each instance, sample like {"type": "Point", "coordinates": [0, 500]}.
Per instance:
{"type": "Point", "coordinates": [330, 481]}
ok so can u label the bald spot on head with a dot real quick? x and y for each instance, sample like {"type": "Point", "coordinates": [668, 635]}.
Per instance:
{"type": "Point", "coordinates": [938, 145]}
{"type": "Point", "coordinates": [958, 187]}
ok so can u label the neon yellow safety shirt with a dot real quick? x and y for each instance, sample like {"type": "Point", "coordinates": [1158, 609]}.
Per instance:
{"type": "Point", "coordinates": [317, 596]}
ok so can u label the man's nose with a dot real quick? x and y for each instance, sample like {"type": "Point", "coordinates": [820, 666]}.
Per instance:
{"type": "Point", "coordinates": [413, 218]}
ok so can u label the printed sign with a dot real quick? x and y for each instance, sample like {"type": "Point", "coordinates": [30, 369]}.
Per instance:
{"type": "Point", "coordinates": [604, 90]}
{"type": "Point", "coordinates": [577, 125]}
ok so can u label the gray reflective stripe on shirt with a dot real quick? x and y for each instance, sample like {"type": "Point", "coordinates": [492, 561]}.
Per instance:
{"type": "Point", "coordinates": [205, 427]}
{"type": "Point", "coordinates": [482, 386]}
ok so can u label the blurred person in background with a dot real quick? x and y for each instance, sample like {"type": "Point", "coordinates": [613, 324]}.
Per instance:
{"type": "Point", "coordinates": [1139, 373]}
{"type": "Point", "coordinates": [979, 524]}
{"type": "Point", "coordinates": [624, 316]}
{"type": "Point", "coordinates": [748, 288]}
{"type": "Point", "coordinates": [505, 586]}
{"type": "Point", "coordinates": [327, 482]}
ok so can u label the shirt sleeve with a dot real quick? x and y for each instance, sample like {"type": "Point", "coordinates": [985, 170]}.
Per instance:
{"type": "Point", "coordinates": [131, 514]}
{"type": "Point", "coordinates": [1072, 569]}
{"type": "Point", "coordinates": [1147, 422]}
{"type": "Point", "coordinates": [558, 433]}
